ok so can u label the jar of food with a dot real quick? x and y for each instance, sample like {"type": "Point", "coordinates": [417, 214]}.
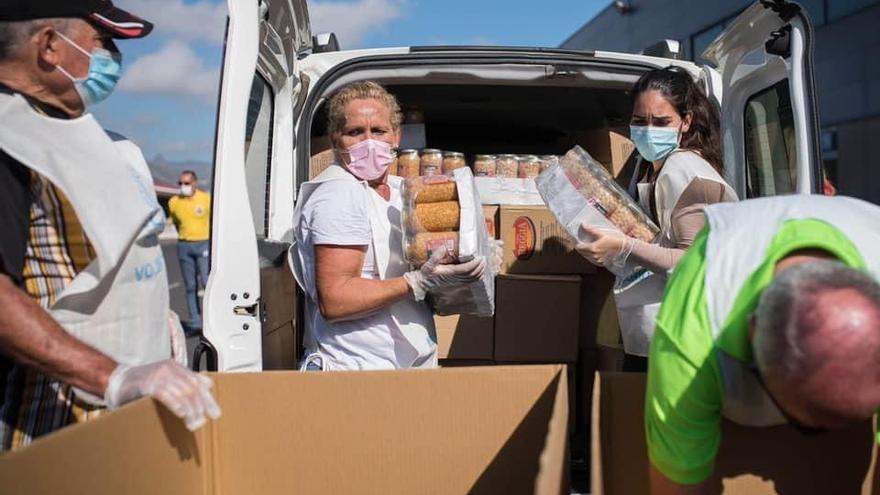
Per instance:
{"type": "Point", "coordinates": [408, 163]}
{"type": "Point", "coordinates": [484, 166]}
{"type": "Point", "coordinates": [432, 162]}
{"type": "Point", "coordinates": [392, 167]}
{"type": "Point", "coordinates": [529, 167]}
{"type": "Point", "coordinates": [507, 166]}
{"type": "Point", "coordinates": [453, 160]}
{"type": "Point", "coordinates": [548, 161]}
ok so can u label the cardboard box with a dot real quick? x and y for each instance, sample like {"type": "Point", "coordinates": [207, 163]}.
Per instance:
{"type": "Point", "coordinates": [750, 460]}
{"type": "Point", "coordinates": [535, 243]}
{"type": "Point", "coordinates": [537, 318]}
{"type": "Point", "coordinates": [465, 337]}
{"type": "Point", "coordinates": [611, 147]}
{"type": "Point", "coordinates": [465, 430]}
{"type": "Point", "coordinates": [490, 214]}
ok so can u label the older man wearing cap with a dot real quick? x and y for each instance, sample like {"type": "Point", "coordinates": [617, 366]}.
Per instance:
{"type": "Point", "coordinates": [83, 288]}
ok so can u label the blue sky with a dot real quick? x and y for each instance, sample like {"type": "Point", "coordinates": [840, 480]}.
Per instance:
{"type": "Point", "coordinates": [166, 101]}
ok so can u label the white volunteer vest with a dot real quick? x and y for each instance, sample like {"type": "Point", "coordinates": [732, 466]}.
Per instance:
{"type": "Point", "coordinates": [638, 293]}
{"type": "Point", "coordinates": [739, 235]}
{"type": "Point", "coordinates": [119, 302]}
{"type": "Point", "coordinates": [413, 318]}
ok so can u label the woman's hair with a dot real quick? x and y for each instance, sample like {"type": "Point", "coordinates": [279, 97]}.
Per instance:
{"type": "Point", "coordinates": [361, 90]}
{"type": "Point", "coordinates": [687, 97]}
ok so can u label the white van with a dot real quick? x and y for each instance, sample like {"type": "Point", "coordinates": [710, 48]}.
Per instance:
{"type": "Point", "coordinates": [271, 119]}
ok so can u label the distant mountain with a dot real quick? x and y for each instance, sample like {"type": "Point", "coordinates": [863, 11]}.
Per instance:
{"type": "Point", "coordinates": [166, 172]}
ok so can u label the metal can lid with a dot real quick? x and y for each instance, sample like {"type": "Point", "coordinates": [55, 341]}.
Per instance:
{"type": "Point", "coordinates": [485, 157]}
{"type": "Point", "coordinates": [453, 154]}
{"type": "Point", "coordinates": [430, 151]}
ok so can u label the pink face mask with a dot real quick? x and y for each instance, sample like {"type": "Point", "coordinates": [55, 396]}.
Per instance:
{"type": "Point", "coordinates": [369, 159]}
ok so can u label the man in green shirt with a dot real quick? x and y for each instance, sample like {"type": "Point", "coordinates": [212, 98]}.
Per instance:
{"type": "Point", "coordinates": [773, 315]}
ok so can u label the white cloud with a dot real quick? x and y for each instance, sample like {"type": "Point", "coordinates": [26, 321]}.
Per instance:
{"type": "Point", "coordinates": [203, 20]}
{"type": "Point", "coordinates": [173, 70]}
{"type": "Point", "coordinates": [352, 21]}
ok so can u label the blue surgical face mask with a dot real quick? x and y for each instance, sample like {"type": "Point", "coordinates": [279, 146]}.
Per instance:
{"type": "Point", "coordinates": [104, 72]}
{"type": "Point", "coordinates": [654, 143]}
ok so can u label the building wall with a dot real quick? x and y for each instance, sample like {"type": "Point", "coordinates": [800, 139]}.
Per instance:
{"type": "Point", "coordinates": [847, 56]}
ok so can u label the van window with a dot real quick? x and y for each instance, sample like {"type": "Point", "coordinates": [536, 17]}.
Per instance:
{"type": "Point", "coordinates": [770, 143]}
{"type": "Point", "coordinates": [258, 152]}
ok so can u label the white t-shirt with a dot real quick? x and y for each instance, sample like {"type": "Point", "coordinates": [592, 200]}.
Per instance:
{"type": "Point", "coordinates": [337, 213]}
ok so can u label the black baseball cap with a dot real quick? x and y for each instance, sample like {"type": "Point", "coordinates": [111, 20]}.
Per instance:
{"type": "Point", "coordinates": [101, 13]}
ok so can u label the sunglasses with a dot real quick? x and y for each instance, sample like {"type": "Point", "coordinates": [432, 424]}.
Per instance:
{"type": "Point", "coordinates": [797, 425]}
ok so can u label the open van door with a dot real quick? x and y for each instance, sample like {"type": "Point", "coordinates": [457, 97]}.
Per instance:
{"type": "Point", "coordinates": [768, 112]}
{"type": "Point", "coordinates": [253, 188]}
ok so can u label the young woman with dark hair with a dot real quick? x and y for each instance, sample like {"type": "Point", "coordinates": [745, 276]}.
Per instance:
{"type": "Point", "coordinates": [676, 130]}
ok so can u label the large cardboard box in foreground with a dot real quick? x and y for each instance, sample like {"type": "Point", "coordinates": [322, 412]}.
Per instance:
{"type": "Point", "coordinates": [535, 243]}
{"type": "Point", "coordinates": [751, 461]}
{"type": "Point", "coordinates": [461, 430]}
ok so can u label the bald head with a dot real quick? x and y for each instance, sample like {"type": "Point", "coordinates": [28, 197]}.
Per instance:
{"type": "Point", "coordinates": [817, 342]}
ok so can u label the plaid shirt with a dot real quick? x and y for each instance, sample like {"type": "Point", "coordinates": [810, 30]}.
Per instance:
{"type": "Point", "coordinates": [57, 249]}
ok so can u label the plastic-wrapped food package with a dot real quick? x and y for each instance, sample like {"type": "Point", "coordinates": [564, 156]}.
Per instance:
{"type": "Point", "coordinates": [445, 212]}
{"type": "Point", "coordinates": [578, 189]}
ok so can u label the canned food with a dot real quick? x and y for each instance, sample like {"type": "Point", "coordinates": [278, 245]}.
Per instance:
{"type": "Point", "coordinates": [548, 161]}
{"type": "Point", "coordinates": [507, 166]}
{"type": "Point", "coordinates": [529, 167]}
{"type": "Point", "coordinates": [453, 160]}
{"type": "Point", "coordinates": [431, 162]}
{"type": "Point", "coordinates": [408, 163]}
{"type": "Point", "coordinates": [484, 166]}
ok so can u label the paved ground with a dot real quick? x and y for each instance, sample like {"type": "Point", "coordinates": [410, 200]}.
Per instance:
{"type": "Point", "coordinates": [175, 283]}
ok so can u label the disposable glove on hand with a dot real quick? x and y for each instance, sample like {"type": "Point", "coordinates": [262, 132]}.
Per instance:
{"type": "Point", "coordinates": [609, 248]}
{"type": "Point", "coordinates": [186, 394]}
{"type": "Point", "coordinates": [432, 275]}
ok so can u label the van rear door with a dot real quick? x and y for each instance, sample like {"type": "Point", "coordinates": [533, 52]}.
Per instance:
{"type": "Point", "coordinates": [768, 111]}
{"type": "Point", "coordinates": [253, 186]}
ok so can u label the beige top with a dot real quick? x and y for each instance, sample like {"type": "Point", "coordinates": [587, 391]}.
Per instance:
{"type": "Point", "coordinates": [685, 218]}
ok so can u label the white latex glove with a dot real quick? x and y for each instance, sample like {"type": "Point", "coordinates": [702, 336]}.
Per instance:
{"type": "Point", "coordinates": [186, 394]}
{"type": "Point", "coordinates": [178, 339]}
{"type": "Point", "coordinates": [432, 275]}
{"type": "Point", "coordinates": [609, 248]}
{"type": "Point", "coordinates": [497, 249]}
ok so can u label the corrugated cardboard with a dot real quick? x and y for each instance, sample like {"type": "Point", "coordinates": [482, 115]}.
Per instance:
{"type": "Point", "coordinates": [465, 337]}
{"type": "Point", "coordinates": [535, 243]}
{"type": "Point", "coordinates": [611, 147]}
{"type": "Point", "coordinates": [466, 430]}
{"type": "Point", "coordinates": [537, 318]}
{"type": "Point", "coordinates": [750, 461]}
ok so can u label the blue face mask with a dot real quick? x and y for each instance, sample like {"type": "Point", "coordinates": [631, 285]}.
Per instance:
{"type": "Point", "coordinates": [654, 143]}
{"type": "Point", "coordinates": [104, 72]}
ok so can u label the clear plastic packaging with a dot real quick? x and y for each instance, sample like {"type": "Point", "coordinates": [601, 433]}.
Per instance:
{"type": "Point", "coordinates": [578, 189]}
{"type": "Point", "coordinates": [432, 206]}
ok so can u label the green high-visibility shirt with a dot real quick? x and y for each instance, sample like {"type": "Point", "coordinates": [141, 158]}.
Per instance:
{"type": "Point", "coordinates": [685, 390]}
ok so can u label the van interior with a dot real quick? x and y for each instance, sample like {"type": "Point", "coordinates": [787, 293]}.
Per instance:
{"type": "Point", "coordinates": [534, 109]}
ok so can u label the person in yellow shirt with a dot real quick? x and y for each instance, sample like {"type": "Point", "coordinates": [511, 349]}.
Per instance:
{"type": "Point", "coordinates": [191, 213]}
